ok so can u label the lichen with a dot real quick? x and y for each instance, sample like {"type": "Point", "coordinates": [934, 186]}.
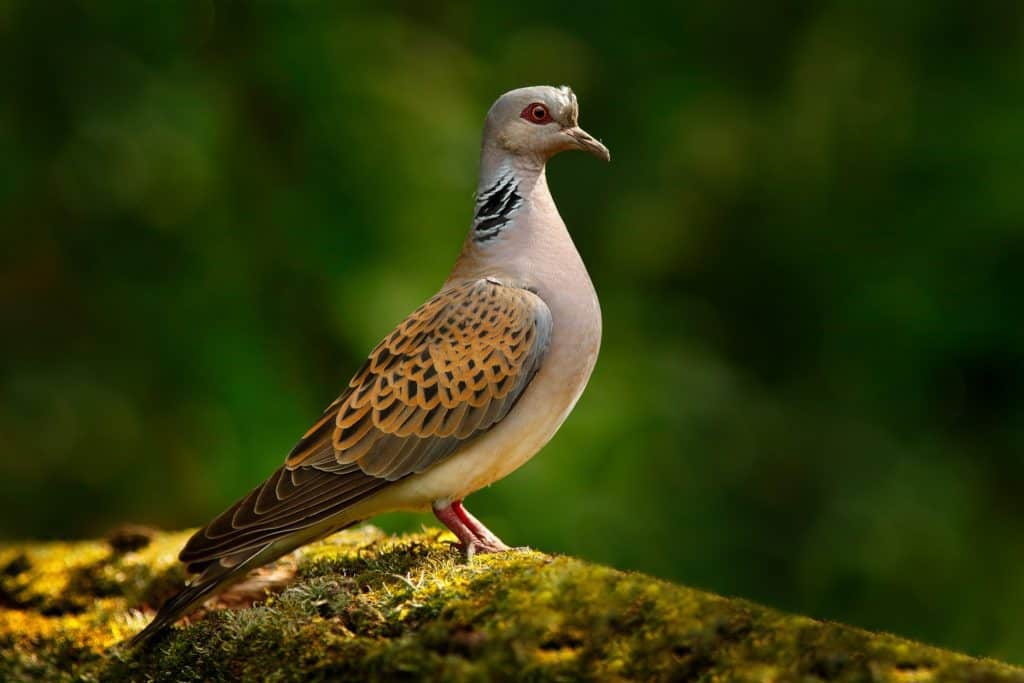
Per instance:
{"type": "Point", "coordinates": [366, 606]}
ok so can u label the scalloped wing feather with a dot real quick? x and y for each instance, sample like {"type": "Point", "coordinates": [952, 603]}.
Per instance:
{"type": "Point", "coordinates": [450, 371]}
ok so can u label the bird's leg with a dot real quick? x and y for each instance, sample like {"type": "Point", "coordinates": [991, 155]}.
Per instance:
{"type": "Point", "coordinates": [472, 534]}
{"type": "Point", "coordinates": [478, 528]}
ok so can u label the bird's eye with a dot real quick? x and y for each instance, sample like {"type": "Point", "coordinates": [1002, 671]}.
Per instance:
{"type": "Point", "coordinates": [537, 113]}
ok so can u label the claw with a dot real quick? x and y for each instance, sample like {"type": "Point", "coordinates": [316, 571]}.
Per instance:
{"type": "Point", "coordinates": [474, 537]}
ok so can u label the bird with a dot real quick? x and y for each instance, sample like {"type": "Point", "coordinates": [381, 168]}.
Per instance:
{"type": "Point", "coordinates": [466, 389]}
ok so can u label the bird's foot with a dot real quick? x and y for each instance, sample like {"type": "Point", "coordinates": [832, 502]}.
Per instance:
{"type": "Point", "coordinates": [474, 548]}
{"type": "Point", "coordinates": [481, 547]}
{"type": "Point", "coordinates": [474, 537]}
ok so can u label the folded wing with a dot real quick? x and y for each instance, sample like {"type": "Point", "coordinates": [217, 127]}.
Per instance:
{"type": "Point", "coordinates": [452, 370]}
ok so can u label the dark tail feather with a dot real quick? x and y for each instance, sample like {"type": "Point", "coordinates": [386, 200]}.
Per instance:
{"type": "Point", "coordinates": [215, 579]}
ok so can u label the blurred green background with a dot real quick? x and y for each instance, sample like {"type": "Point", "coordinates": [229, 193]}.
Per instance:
{"type": "Point", "coordinates": [809, 249]}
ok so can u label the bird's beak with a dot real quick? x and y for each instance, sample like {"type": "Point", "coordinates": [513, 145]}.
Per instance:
{"type": "Point", "coordinates": [581, 139]}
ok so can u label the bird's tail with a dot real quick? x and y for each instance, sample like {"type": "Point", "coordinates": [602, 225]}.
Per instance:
{"type": "Point", "coordinates": [213, 579]}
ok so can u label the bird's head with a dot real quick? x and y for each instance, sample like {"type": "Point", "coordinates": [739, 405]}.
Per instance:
{"type": "Point", "coordinates": [539, 121]}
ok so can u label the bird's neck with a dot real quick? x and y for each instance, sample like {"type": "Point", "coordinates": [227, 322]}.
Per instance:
{"type": "Point", "coordinates": [514, 218]}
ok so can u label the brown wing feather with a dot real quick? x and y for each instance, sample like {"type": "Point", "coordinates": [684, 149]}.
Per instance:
{"type": "Point", "coordinates": [277, 507]}
{"type": "Point", "coordinates": [452, 369]}
{"type": "Point", "coordinates": [449, 372]}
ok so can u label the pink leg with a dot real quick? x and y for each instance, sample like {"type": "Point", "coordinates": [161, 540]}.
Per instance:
{"type": "Point", "coordinates": [474, 536]}
{"type": "Point", "coordinates": [477, 527]}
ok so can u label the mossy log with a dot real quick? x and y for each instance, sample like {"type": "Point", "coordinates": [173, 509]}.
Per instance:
{"type": "Point", "coordinates": [367, 606]}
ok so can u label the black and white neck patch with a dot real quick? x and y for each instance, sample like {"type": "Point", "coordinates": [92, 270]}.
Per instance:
{"type": "Point", "coordinates": [494, 208]}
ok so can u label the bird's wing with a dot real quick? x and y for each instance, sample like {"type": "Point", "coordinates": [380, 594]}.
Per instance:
{"type": "Point", "coordinates": [452, 370]}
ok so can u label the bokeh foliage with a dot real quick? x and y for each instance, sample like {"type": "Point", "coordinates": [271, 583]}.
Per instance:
{"type": "Point", "coordinates": [808, 247]}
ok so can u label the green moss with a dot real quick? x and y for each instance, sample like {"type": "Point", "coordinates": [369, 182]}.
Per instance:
{"type": "Point", "coordinates": [364, 606]}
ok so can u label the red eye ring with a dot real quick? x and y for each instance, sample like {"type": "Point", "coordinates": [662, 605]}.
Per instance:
{"type": "Point", "coordinates": [537, 113]}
